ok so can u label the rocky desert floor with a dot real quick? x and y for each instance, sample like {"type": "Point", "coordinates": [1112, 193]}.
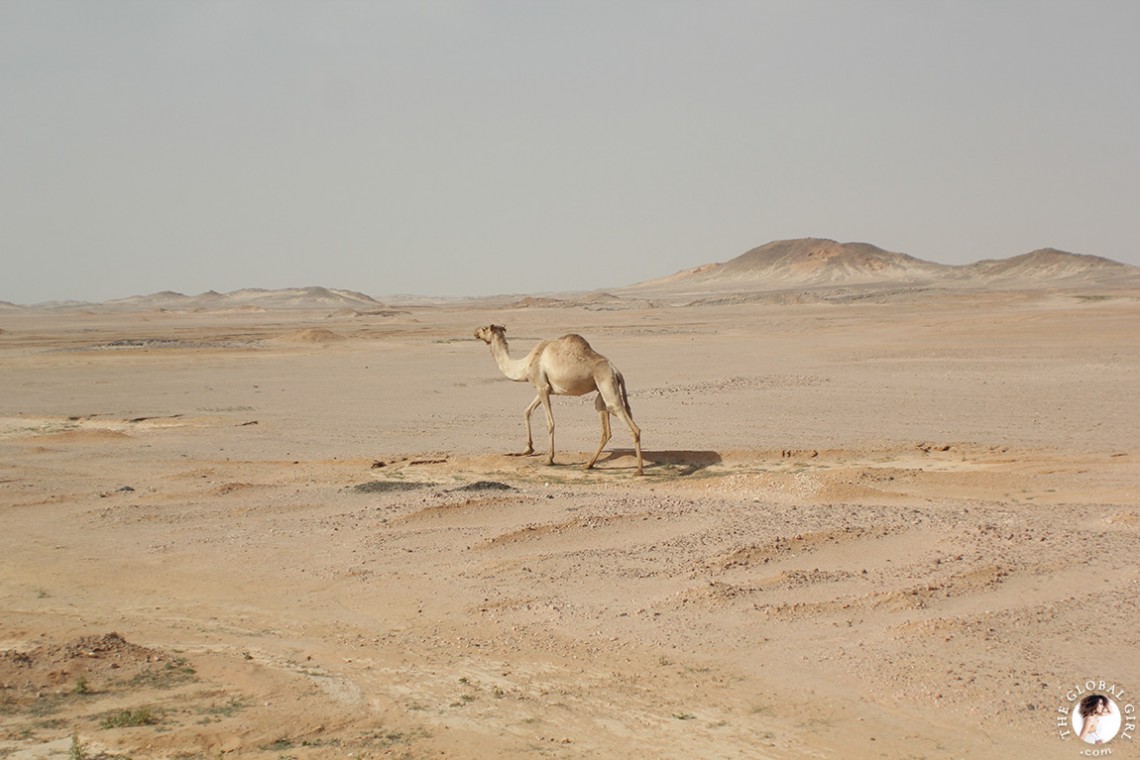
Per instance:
{"type": "Point", "coordinates": [895, 527]}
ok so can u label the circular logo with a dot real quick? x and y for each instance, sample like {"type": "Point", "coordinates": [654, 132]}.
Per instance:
{"type": "Point", "coordinates": [1096, 712]}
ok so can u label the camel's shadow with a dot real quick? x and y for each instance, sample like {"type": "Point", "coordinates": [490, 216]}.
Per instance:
{"type": "Point", "coordinates": [683, 463]}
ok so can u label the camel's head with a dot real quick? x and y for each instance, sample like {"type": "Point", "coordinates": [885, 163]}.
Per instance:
{"type": "Point", "coordinates": [485, 334]}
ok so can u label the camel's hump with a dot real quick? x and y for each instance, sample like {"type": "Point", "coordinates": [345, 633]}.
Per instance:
{"type": "Point", "coordinates": [574, 345]}
{"type": "Point", "coordinates": [573, 340]}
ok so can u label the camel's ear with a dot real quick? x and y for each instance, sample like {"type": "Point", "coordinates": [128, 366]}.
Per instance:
{"type": "Point", "coordinates": [499, 328]}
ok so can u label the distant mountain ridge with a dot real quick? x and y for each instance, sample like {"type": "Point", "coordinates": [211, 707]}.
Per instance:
{"type": "Point", "coordinates": [794, 265]}
{"type": "Point", "coordinates": [812, 262]}
{"type": "Point", "coordinates": [246, 299]}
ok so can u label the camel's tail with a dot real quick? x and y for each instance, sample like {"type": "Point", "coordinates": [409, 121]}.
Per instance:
{"type": "Point", "coordinates": [624, 395]}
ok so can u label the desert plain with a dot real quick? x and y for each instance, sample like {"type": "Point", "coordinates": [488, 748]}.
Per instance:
{"type": "Point", "coordinates": [893, 523]}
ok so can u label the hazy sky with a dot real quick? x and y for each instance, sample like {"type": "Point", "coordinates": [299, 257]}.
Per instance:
{"type": "Point", "coordinates": [485, 147]}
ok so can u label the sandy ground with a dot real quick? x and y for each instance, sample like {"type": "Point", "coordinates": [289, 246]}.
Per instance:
{"type": "Point", "coordinates": [897, 528]}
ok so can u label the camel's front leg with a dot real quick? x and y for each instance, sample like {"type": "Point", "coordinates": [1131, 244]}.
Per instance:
{"type": "Point", "coordinates": [549, 424]}
{"type": "Point", "coordinates": [606, 434]}
{"type": "Point", "coordinates": [526, 418]}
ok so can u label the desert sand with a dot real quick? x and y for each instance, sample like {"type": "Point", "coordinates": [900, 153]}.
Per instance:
{"type": "Point", "coordinates": [896, 526]}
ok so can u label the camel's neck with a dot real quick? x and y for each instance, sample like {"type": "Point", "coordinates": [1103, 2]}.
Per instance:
{"type": "Point", "coordinates": [514, 369]}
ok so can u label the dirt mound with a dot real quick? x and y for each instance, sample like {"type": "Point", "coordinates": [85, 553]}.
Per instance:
{"type": "Point", "coordinates": [388, 486]}
{"type": "Point", "coordinates": [529, 302]}
{"type": "Point", "coordinates": [485, 485]}
{"type": "Point", "coordinates": [86, 665]}
{"type": "Point", "coordinates": [96, 435]}
{"type": "Point", "coordinates": [313, 335]}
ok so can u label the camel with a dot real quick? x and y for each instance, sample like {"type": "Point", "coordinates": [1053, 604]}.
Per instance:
{"type": "Point", "coordinates": [565, 366]}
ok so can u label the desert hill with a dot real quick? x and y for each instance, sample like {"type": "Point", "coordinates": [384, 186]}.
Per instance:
{"type": "Point", "coordinates": [816, 262]}
{"type": "Point", "coordinates": [802, 262]}
{"type": "Point", "coordinates": [1049, 264]}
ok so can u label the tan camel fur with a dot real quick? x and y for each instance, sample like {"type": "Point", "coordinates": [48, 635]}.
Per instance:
{"type": "Point", "coordinates": [566, 366]}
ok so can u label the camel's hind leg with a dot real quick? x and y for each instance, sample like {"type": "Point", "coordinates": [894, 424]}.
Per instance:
{"type": "Point", "coordinates": [627, 414]}
{"type": "Point", "coordinates": [619, 406]}
{"type": "Point", "coordinates": [634, 431]}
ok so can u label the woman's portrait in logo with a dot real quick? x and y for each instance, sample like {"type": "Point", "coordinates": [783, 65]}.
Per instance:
{"type": "Point", "coordinates": [1096, 719]}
